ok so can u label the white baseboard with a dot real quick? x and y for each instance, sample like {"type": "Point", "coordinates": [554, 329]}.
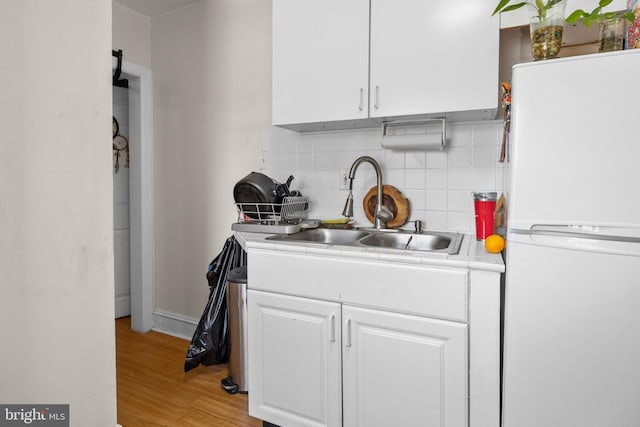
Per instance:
{"type": "Point", "coordinates": [174, 324]}
{"type": "Point", "coordinates": [123, 306]}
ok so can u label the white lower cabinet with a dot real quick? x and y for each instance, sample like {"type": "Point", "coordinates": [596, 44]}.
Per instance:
{"type": "Point", "coordinates": [318, 363]}
{"type": "Point", "coordinates": [345, 341]}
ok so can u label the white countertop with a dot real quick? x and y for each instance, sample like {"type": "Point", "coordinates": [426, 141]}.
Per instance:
{"type": "Point", "coordinates": [472, 253]}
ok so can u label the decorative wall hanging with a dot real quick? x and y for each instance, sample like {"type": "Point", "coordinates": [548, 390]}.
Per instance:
{"type": "Point", "coordinates": [506, 104]}
{"type": "Point", "coordinates": [120, 148]}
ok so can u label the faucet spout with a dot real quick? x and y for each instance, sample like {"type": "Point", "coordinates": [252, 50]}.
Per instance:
{"type": "Point", "coordinates": [348, 206]}
{"type": "Point", "coordinates": [382, 214]}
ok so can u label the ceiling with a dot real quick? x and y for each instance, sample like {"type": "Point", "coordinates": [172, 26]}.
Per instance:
{"type": "Point", "coordinates": [153, 7]}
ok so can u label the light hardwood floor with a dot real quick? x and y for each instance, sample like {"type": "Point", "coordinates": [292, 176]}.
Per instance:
{"type": "Point", "coordinates": [153, 389]}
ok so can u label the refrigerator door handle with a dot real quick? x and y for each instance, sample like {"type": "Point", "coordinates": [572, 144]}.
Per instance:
{"type": "Point", "coordinates": [593, 232]}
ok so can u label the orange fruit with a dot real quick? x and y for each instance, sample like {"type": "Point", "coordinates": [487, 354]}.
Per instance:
{"type": "Point", "coordinates": [494, 243]}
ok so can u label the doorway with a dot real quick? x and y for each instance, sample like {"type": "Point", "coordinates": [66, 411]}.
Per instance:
{"type": "Point", "coordinates": [140, 129]}
{"type": "Point", "coordinates": [121, 211]}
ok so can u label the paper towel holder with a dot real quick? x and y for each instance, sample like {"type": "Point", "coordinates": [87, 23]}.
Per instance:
{"type": "Point", "coordinates": [427, 124]}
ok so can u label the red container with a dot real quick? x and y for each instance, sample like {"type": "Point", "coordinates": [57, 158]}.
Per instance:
{"type": "Point", "coordinates": [485, 206]}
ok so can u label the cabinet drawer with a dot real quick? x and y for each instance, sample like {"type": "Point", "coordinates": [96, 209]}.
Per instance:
{"type": "Point", "coordinates": [413, 289]}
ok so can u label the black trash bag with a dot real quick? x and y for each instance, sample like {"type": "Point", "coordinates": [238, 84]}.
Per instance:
{"type": "Point", "coordinates": [210, 343]}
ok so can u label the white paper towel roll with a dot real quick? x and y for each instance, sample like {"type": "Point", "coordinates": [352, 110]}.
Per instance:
{"type": "Point", "coordinates": [414, 142]}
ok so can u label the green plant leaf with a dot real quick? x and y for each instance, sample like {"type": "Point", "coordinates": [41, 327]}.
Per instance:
{"type": "Point", "coordinates": [500, 5]}
{"type": "Point", "coordinates": [551, 3]}
{"type": "Point", "coordinates": [542, 10]}
{"type": "Point", "coordinates": [575, 16]}
{"type": "Point", "coordinates": [629, 16]}
{"type": "Point", "coordinates": [604, 3]}
{"type": "Point", "coordinates": [514, 7]}
{"type": "Point", "coordinates": [588, 20]}
{"type": "Point", "coordinates": [609, 15]}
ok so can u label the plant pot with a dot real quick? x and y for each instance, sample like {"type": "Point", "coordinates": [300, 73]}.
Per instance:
{"type": "Point", "coordinates": [546, 30]}
{"type": "Point", "coordinates": [611, 34]}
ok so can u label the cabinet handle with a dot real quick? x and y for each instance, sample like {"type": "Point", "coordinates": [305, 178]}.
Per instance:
{"type": "Point", "coordinates": [361, 105]}
{"type": "Point", "coordinates": [333, 328]}
{"type": "Point", "coordinates": [348, 332]}
{"type": "Point", "coordinates": [375, 104]}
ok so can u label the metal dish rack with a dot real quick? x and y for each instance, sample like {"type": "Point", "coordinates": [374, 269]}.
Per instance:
{"type": "Point", "coordinates": [292, 209]}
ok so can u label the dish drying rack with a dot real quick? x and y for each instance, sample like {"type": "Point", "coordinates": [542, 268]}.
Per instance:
{"type": "Point", "coordinates": [282, 217]}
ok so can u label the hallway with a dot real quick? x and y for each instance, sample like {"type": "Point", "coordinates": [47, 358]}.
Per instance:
{"type": "Point", "coordinates": [153, 389]}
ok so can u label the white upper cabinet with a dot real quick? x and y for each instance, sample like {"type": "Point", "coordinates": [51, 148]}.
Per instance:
{"type": "Point", "coordinates": [320, 60]}
{"type": "Point", "coordinates": [433, 57]}
{"type": "Point", "coordinates": [338, 63]}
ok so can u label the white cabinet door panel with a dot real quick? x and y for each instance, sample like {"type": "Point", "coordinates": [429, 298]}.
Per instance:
{"type": "Point", "coordinates": [433, 57]}
{"type": "Point", "coordinates": [402, 370]}
{"type": "Point", "coordinates": [320, 60]}
{"type": "Point", "coordinates": [294, 360]}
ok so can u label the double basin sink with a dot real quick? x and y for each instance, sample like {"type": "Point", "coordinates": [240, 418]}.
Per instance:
{"type": "Point", "coordinates": [424, 241]}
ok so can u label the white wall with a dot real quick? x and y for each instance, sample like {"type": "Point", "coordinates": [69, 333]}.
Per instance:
{"type": "Point", "coordinates": [211, 63]}
{"type": "Point", "coordinates": [132, 34]}
{"type": "Point", "coordinates": [438, 184]}
{"type": "Point", "coordinates": [56, 249]}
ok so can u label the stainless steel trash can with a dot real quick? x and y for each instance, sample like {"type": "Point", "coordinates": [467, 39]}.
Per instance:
{"type": "Point", "coordinates": [237, 312]}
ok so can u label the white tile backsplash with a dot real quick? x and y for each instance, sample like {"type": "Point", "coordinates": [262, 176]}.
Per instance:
{"type": "Point", "coordinates": [436, 159]}
{"type": "Point", "coordinates": [415, 160]}
{"type": "Point", "coordinates": [436, 200]}
{"type": "Point", "coordinates": [415, 179]}
{"type": "Point", "coordinates": [417, 199]}
{"type": "Point", "coordinates": [459, 157]}
{"type": "Point", "coordinates": [458, 178]}
{"type": "Point", "coordinates": [393, 159]}
{"type": "Point", "coordinates": [458, 200]}
{"type": "Point", "coordinates": [437, 183]}
{"type": "Point", "coordinates": [460, 135]}
{"type": "Point", "coordinates": [436, 179]}
{"type": "Point", "coordinates": [484, 156]}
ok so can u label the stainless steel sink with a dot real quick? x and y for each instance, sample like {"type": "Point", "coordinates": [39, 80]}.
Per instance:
{"type": "Point", "coordinates": [330, 236]}
{"type": "Point", "coordinates": [425, 241]}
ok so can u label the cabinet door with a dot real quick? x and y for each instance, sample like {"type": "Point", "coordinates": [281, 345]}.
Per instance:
{"type": "Point", "coordinates": [402, 370]}
{"type": "Point", "coordinates": [294, 360]}
{"type": "Point", "coordinates": [431, 56]}
{"type": "Point", "coordinates": [320, 60]}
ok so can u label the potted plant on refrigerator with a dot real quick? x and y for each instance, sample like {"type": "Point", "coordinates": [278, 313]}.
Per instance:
{"type": "Point", "coordinates": [546, 23]}
{"type": "Point", "coordinates": [611, 24]}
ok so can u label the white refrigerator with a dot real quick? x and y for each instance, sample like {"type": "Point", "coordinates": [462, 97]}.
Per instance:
{"type": "Point", "coordinates": [572, 294]}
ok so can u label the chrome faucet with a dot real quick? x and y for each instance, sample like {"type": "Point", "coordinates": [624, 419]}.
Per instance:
{"type": "Point", "coordinates": [382, 214]}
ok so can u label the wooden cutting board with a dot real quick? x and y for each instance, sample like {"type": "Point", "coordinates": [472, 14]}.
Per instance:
{"type": "Point", "coordinates": [393, 200]}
